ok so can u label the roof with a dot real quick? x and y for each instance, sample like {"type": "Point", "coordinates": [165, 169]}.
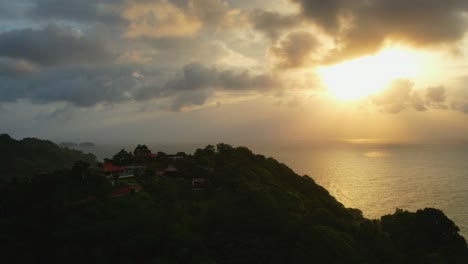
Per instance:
{"type": "Point", "coordinates": [199, 180]}
{"type": "Point", "coordinates": [109, 167]}
{"type": "Point", "coordinates": [171, 168]}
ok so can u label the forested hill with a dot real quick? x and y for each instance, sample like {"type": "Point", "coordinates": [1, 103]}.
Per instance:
{"type": "Point", "coordinates": [26, 157]}
{"type": "Point", "coordinates": [252, 209]}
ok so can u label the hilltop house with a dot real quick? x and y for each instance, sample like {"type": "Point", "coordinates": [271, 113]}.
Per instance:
{"type": "Point", "coordinates": [199, 184]}
{"type": "Point", "coordinates": [114, 172]}
{"type": "Point", "coordinates": [171, 171]}
{"type": "Point", "coordinates": [178, 156]}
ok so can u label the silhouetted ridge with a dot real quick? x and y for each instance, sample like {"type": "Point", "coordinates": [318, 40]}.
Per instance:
{"type": "Point", "coordinates": [220, 205]}
{"type": "Point", "coordinates": [29, 156]}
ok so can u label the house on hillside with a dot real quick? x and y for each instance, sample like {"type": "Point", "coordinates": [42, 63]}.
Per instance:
{"type": "Point", "coordinates": [171, 172]}
{"type": "Point", "coordinates": [137, 170]}
{"type": "Point", "coordinates": [199, 184]}
{"type": "Point", "coordinates": [111, 170]}
{"type": "Point", "coordinates": [178, 156]}
{"type": "Point", "coordinates": [114, 172]}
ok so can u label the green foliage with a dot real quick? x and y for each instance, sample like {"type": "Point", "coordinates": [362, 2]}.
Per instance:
{"type": "Point", "coordinates": [29, 156]}
{"type": "Point", "coordinates": [427, 234]}
{"type": "Point", "coordinates": [123, 158]}
{"type": "Point", "coordinates": [255, 210]}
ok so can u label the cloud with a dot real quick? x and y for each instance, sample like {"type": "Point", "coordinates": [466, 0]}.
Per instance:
{"type": "Point", "coordinates": [459, 95]}
{"type": "Point", "coordinates": [188, 99]}
{"type": "Point", "coordinates": [88, 86]}
{"type": "Point", "coordinates": [197, 76]}
{"type": "Point", "coordinates": [198, 82]}
{"type": "Point", "coordinates": [53, 45]}
{"type": "Point", "coordinates": [17, 68]}
{"type": "Point", "coordinates": [177, 18]}
{"type": "Point", "coordinates": [436, 94]}
{"type": "Point", "coordinates": [397, 97]}
{"type": "Point", "coordinates": [82, 10]}
{"type": "Point", "coordinates": [63, 113]}
{"type": "Point", "coordinates": [79, 85]}
{"type": "Point", "coordinates": [364, 26]}
{"type": "Point", "coordinates": [461, 106]}
{"type": "Point", "coordinates": [436, 97]}
{"type": "Point", "coordinates": [273, 23]}
{"type": "Point", "coordinates": [401, 95]}
{"type": "Point", "coordinates": [215, 12]}
{"type": "Point", "coordinates": [295, 50]}
{"type": "Point", "coordinates": [12, 9]}
{"type": "Point", "coordinates": [158, 19]}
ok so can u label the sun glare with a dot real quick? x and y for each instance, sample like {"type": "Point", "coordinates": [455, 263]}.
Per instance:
{"type": "Point", "coordinates": [364, 76]}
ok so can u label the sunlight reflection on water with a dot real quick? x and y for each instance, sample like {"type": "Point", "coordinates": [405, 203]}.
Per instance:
{"type": "Point", "coordinates": [376, 154]}
{"type": "Point", "coordinates": [380, 178]}
{"type": "Point", "coordinates": [376, 178]}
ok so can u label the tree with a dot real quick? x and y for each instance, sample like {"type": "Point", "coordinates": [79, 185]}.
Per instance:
{"type": "Point", "coordinates": [224, 148]}
{"type": "Point", "coordinates": [122, 158]}
{"type": "Point", "coordinates": [427, 230]}
{"type": "Point", "coordinates": [141, 151]}
{"type": "Point", "coordinates": [80, 170]}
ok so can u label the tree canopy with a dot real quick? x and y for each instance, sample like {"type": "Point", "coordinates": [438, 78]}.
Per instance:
{"type": "Point", "coordinates": [253, 210]}
{"type": "Point", "coordinates": [29, 156]}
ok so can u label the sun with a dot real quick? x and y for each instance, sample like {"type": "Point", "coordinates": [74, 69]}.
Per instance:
{"type": "Point", "coordinates": [359, 78]}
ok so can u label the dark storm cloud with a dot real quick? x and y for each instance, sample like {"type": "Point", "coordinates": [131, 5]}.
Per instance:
{"type": "Point", "coordinates": [13, 9]}
{"type": "Point", "coordinates": [198, 82]}
{"type": "Point", "coordinates": [326, 13]}
{"type": "Point", "coordinates": [81, 86]}
{"type": "Point", "coordinates": [82, 10]}
{"type": "Point", "coordinates": [15, 68]}
{"type": "Point", "coordinates": [89, 86]}
{"type": "Point", "coordinates": [295, 50]}
{"type": "Point", "coordinates": [272, 23]}
{"type": "Point", "coordinates": [5, 12]}
{"type": "Point", "coordinates": [363, 26]}
{"type": "Point", "coordinates": [198, 76]}
{"type": "Point", "coordinates": [52, 45]}
{"type": "Point", "coordinates": [401, 95]}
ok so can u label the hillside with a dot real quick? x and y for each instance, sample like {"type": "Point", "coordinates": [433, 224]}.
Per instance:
{"type": "Point", "coordinates": [252, 210]}
{"type": "Point", "coordinates": [26, 157]}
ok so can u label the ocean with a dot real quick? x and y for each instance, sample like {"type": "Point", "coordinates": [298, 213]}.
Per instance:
{"type": "Point", "coordinates": [376, 178]}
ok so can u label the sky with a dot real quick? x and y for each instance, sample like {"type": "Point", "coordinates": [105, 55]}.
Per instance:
{"type": "Point", "coordinates": [130, 71]}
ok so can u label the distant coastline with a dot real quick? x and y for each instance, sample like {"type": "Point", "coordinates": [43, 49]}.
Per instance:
{"type": "Point", "coordinates": [87, 144]}
{"type": "Point", "coordinates": [74, 145]}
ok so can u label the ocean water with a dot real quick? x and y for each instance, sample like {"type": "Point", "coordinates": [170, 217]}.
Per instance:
{"type": "Point", "coordinates": [376, 178]}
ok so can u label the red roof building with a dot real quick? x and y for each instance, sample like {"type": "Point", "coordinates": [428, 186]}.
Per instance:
{"type": "Point", "coordinates": [109, 167]}
{"type": "Point", "coordinates": [126, 190]}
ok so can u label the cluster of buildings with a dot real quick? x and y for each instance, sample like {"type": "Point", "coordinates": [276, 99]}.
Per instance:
{"type": "Point", "coordinates": [115, 173]}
